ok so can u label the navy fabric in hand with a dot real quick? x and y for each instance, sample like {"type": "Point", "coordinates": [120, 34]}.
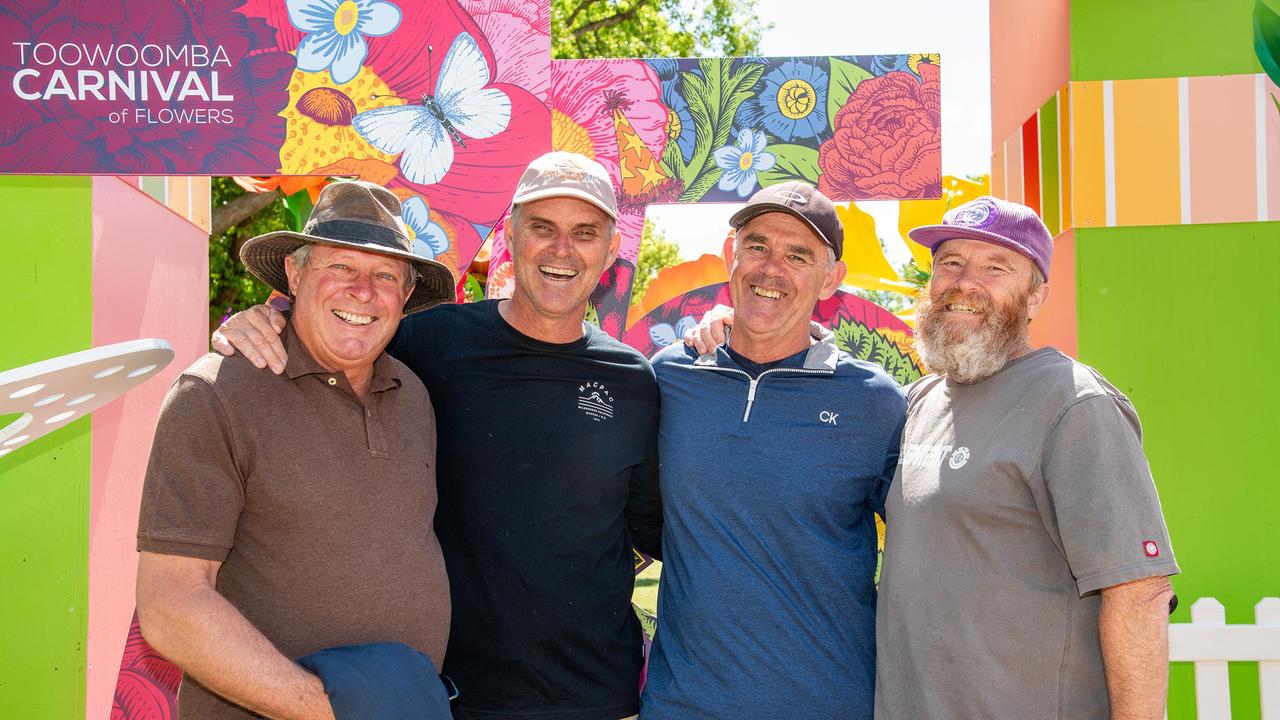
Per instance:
{"type": "Point", "coordinates": [379, 681]}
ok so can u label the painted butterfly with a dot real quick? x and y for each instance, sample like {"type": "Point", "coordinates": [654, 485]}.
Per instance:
{"type": "Point", "coordinates": [423, 133]}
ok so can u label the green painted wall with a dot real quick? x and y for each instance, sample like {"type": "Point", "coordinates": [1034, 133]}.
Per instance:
{"type": "Point", "coordinates": [46, 291]}
{"type": "Point", "coordinates": [1126, 39]}
{"type": "Point", "coordinates": [1185, 320]}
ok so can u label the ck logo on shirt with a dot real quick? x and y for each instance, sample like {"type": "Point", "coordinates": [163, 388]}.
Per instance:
{"type": "Point", "coordinates": [595, 401]}
{"type": "Point", "coordinates": [828, 417]}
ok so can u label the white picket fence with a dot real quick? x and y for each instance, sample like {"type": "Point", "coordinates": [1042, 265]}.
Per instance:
{"type": "Point", "coordinates": [1210, 643]}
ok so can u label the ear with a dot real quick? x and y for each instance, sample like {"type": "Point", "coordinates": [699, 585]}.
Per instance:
{"type": "Point", "coordinates": [834, 277]}
{"type": "Point", "coordinates": [291, 272]}
{"type": "Point", "coordinates": [1037, 299]}
{"type": "Point", "coordinates": [726, 250]}
{"type": "Point", "coordinates": [614, 244]}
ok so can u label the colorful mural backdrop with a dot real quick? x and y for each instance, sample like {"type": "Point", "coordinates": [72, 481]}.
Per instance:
{"type": "Point", "coordinates": [443, 103]}
{"type": "Point", "coordinates": [860, 127]}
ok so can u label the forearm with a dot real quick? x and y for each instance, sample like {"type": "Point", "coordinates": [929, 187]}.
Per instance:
{"type": "Point", "coordinates": [1133, 626]}
{"type": "Point", "coordinates": [205, 635]}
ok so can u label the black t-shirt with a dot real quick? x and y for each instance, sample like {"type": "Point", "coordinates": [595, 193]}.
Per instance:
{"type": "Point", "coordinates": [547, 474]}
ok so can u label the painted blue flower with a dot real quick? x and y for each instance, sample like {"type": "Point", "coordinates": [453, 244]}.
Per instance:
{"type": "Point", "coordinates": [793, 103]}
{"type": "Point", "coordinates": [665, 68]}
{"type": "Point", "coordinates": [680, 128]}
{"type": "Point", "coordinates": [882, 64]}
{"type": "Point", "coordinates": [336, 31]}
{"type": "Point", "coordinates": [429, 239]}
{"type": "Point", "coordinates": [741, 161]}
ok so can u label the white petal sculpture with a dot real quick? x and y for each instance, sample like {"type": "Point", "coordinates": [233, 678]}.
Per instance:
{"type": "Point", "coordinates": [53, 392]}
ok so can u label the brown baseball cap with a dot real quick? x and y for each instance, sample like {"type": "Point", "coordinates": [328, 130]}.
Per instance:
{"type": "Point", "coordinates": [801, 200]}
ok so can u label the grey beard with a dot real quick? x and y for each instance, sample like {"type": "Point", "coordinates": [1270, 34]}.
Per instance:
{"type": "Point", "coordinates": [968, 357]}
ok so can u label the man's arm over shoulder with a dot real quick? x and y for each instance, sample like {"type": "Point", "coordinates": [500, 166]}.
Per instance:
{"type": "Point", "coordinates": [185, 619]}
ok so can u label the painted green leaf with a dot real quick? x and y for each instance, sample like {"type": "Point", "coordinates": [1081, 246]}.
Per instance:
{"type": "Point", "coordinates": [845, 78]}
{"type": "Point", "coordinates": [794, 162]}
{"type": "Point", "coordinates": [1266, 39]}
{"type": "Point", "coordinates": [864, 343]}
{"type": "Point", "coordinates": [713, 97]}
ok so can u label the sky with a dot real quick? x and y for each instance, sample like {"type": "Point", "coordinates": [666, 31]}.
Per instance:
{"type": "Point", "coordinates": [958, 29]}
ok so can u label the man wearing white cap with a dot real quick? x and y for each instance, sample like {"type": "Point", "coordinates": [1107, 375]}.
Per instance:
{"type": "Point", "coordinates": [547, 462]}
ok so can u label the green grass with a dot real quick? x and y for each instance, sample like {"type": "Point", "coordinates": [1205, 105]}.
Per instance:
{"type": "Point", "coordinates": [646, 594]}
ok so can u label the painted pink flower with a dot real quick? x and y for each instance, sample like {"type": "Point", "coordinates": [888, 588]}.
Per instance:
{"type": "Point", "coordinates": [888, 140]}
{"type": "Point", "coordinates": [584, 94]}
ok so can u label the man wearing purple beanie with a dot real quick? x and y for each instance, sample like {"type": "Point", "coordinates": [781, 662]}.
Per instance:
{"type": "Point", "coordinates": [1026, 562]}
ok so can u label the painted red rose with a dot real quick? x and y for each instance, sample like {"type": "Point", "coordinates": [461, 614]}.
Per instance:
{"type": "Point", "coordinates": [888, 140]}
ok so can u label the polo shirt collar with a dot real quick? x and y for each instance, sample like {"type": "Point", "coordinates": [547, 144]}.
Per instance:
{"type": "Point", "coordinates": [821, 355]}
{"type": "Point", "coordinates": [386, 373]}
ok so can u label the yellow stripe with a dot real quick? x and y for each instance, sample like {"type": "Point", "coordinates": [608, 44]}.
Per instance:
{"type": "Point", "coordinates": [1088, 177]}
{"type": "Point", "coordinates": [1148, 185]}
{"type": "Point", "coordinates": [1064, 155]}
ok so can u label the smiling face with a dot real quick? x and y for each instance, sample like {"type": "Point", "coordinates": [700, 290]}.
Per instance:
{"type": "Point", "coordinates": [974, 320]}
{"type": "Point", "coordinates": [347, 305]}
{"type": "Point", "coordinates": [780, 271]}
{"type": "Point", "coordinates": [559, 248]}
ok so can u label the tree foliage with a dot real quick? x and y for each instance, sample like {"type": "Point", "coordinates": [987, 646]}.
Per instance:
{"type": "Point", "coordinates": [654, 28]}
{"type": "Point", "coordinates": [231, 287]}
{"type": "Point", "coordinates": [656, 253]}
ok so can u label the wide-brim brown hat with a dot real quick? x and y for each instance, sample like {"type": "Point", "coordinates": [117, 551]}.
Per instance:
{"type": "Point", "coordinates": [357, 215]}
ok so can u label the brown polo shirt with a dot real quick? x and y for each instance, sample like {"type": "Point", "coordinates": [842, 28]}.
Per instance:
{"type": "Point", "coordinates": [318, 507]}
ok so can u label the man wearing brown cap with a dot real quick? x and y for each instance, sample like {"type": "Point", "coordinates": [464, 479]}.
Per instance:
{"type": "Point", "coordinates": [1026, 559]}
{"type": "Point", "coordinates": [285, 515]}
{"type": "Point", "coordinates": [547, 463]}
{"type": "Point", "coordinates": [776, 451]}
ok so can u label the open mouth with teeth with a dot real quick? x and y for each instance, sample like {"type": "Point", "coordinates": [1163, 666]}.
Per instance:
{"type": "Point", "coordinates": [962, 308]}
{"type": "Point", "coordinates": [552, 272]}
{"type": "Point", "coordinates": [351, 318]}
{"type": "Point", "coordinates": [767, 293]}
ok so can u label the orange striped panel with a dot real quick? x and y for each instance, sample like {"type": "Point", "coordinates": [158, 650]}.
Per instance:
{"type": "Point", "coordinates": [1223, 149]}
{"type": "Point", "coordinates": [998, 187]}
{"type": "Point", "coordinates": [1013, 164]}
{"type": "Point", "coordinates": [201, 203]}
{"type": "Point", "coordinates": [1147, 179]}
{"type": "Point", "coordinates": [1088, 159]}
{"type": "Point", "coordinates": [1064, 154]}
{"type": "Point", "coordinates": [176, 197]}
{"type": "Point", "coordinates": [1272, 136]}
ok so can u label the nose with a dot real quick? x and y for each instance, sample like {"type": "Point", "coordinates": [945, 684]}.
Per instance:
{"type": "Point", "coordinates": [969, 278]}
{"type": "Point", "coordinates": [562, 244]}
{"type": "Point", "coordinates": [361, 287]}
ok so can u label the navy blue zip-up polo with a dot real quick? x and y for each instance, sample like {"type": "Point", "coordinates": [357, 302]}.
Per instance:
{"type": "Point", "coordinates": [769, 485]}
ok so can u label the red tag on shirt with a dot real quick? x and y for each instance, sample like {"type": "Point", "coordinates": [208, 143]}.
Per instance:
{"type": "Point", "coordinates": [1150, 549]}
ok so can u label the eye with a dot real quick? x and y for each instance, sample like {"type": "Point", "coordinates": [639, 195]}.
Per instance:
{"type": "Point", "coordinates": [387, 277]}
{"type": "Point", "coordinates": [798, 259]}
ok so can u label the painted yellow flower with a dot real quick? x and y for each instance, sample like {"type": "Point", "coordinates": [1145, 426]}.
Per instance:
{"type": "Point", "coordinates": [318, 120]}
{"type": "Point", "coordinates": [914, 60]}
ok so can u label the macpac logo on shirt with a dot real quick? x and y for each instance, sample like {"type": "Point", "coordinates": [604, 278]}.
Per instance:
{"type": "Point", "coordinates": [929, 455]}
{"type": "Point", "coordinates": [595, 401]}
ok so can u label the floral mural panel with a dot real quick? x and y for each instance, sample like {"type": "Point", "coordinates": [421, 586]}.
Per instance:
{"type": "Point", "coordinates": [860, 127]}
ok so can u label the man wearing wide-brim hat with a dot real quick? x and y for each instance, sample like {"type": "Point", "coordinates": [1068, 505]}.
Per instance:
{"type": "Point", "coordinates": [547, 465]}
{"type": "Point", "coordinates": [288, 514]}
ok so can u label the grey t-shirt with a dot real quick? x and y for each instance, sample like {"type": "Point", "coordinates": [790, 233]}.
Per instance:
{"type": "Point", "coordinates": [1016, 500]}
